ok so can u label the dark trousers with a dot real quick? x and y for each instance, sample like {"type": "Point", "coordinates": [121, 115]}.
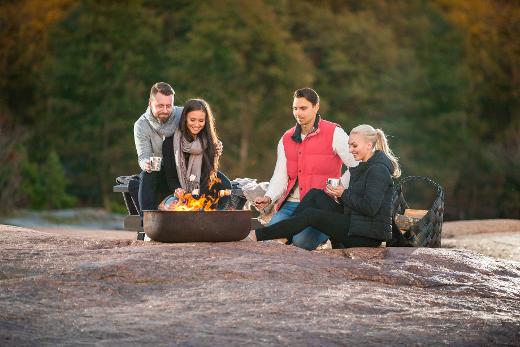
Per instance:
{"type": "Point", "coordinates": [320, 211]}
{"type": "Point", "coordinates": [152, 189]}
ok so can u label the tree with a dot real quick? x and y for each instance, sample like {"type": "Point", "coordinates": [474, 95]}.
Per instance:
{"type": "Point", "coordinates": [395, 65]}
{"type": "Point", "coordinates": [45, 185]}
{"type": "Point", "coordinates": [12, 158]}
{"type": "Point", "coordinates": [489, 183]}
{"type": "Point", "coordinates": [23, 45]}
{"type": "Point", "coordinates": [104, 58]}
{"type": "Point", "coordinates": [243, 62]}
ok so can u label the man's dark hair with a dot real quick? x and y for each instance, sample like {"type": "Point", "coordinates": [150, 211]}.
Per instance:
{"type": "Point", "coordinates": [309, 94]}
{"type": "Point", "coordinates": [161, 87]}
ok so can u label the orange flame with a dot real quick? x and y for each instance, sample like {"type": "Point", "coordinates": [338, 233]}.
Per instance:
{"type": "Point", "coordinates": [189, 203]}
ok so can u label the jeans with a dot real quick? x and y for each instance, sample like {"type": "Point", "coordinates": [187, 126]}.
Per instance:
{"type": "Point", "coordinates": [309, 238]}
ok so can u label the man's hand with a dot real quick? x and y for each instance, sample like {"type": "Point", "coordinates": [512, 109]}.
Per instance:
{"type": "Point", "coordinates": [262, 202]}
{"type": "Point", "coordinates": [147, 166]}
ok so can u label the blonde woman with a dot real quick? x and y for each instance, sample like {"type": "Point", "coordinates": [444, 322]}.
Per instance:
{"type": "Point", "coordinates": [359, 216]}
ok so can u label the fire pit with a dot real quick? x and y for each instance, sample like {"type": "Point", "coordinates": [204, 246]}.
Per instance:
{"type": "Point", "coordinates": [197, 226]}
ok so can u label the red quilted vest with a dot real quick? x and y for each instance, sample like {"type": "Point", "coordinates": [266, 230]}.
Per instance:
{"type": "Point", "coordinates": [312, 161]}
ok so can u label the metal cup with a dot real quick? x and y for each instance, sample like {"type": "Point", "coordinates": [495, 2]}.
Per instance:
{"type": "Point", "coordinates": [155, 163]}
{"type": "Point", "coordinates": [333, 181]}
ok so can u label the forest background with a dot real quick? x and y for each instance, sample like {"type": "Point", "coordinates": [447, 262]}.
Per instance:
{"type": "Point", "coordinates": [441, 77]}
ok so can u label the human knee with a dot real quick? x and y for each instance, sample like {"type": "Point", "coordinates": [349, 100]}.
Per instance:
{"type": "Point", "coordinates": [309, 239]}
{"type": "Point", "coordinates": [304, 241]}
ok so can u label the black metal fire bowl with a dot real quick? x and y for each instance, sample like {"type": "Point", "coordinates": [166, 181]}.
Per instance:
{"type": "Point", "coordinates": [197, 226]}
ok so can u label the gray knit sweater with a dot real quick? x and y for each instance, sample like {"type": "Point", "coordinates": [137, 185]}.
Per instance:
{"type": "Point", "coordinates": [148, 141]}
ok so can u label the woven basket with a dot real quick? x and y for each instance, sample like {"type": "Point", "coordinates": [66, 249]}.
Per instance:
{"type": "Point", "coordinates": [426, 232]}
{"type": "Point", "coordinates": [236, 202]}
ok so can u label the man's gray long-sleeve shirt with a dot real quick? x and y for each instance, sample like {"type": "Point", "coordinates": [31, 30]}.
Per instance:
{"type": "Point", "coordinates": [148, 141]}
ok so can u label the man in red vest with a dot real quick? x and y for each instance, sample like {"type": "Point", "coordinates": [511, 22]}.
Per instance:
{"type": "Point", "coordinates": [308, 154]}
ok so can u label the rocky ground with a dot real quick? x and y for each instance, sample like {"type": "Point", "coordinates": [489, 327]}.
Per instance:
{"type": "Point", "coordinates": [82, 287]}
{"type": "Point", "coordinates": [499, 238]}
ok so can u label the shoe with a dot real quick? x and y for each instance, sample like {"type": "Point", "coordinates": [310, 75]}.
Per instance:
{"type": "Point", "coordinates": [325, 245]}
{"type": "Point", "coordinates": [249, 237]}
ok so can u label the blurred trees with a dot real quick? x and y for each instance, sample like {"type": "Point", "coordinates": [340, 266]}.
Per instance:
{"type": "Point", "coordinates": [24, 34]}
{"type": "Point", "coordinates": [104, 56]}
{"type": "Point", "coordinates": [238, 57]}
{"type": "Point", "coordinates": [490, 173]}
{"type": "Point", "coordinates": [11, 168]}
{"type": "Point", "coordinates": [44, 186]}
{"type": "Point", "coordinates": [440, 77]}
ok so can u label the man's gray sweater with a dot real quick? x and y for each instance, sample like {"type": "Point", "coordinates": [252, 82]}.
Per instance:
{"type": "Point", "coordinates": [149, 134]}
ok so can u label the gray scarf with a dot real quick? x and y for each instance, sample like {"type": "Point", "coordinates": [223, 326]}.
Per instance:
{"type": "Point", "coordinates": [163, 129]}
{"type": "Point", "coordinates": [189, 175]}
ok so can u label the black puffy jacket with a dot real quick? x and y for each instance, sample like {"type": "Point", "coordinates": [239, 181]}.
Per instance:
{"type": "Point", "coordinates": [368, 199]}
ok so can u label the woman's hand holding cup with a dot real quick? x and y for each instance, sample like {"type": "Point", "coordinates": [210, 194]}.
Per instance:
{"type": "Point", "coordinates": [334, 188]}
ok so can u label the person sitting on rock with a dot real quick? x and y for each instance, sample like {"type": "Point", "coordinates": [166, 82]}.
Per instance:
{"type": "Point", "coordinates": [359, 216]}
{"type": "Point", "coordinates": [191, 154]}
{"type": "Point", "coordinates": [308, 154]}
{"type": "Point", "coordinates": [158, 122]}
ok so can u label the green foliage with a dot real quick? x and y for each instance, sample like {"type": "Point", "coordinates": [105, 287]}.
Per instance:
{"type": "Point", "coordinates": [104, 60]}
{"type": "Point", "coordinates": [44, 186]}
{"type": "Point", "coordinates": [12, 157]}
{"type": "Point", "coordinates": [440, 77]}
{"type": "Point", "coordinates": [405, 76]}
{"type": "Point", "coordinates": [246, 75]}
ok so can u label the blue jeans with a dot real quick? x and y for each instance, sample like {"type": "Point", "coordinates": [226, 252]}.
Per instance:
{"type": "Point", "coordinates": [309, 238]}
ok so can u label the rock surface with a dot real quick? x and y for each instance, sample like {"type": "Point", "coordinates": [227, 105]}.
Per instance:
{"type": "Point", "coordinates": [499, 238]}
{"type": "Point", "coordinates": [63, 290]}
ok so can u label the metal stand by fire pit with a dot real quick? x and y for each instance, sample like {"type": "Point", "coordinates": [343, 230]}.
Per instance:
{"type": "Point", "coordinates": [197, 226]}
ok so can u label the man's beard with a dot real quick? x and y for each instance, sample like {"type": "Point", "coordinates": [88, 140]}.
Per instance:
{"type": "Point", "coordinates": [162, 120]}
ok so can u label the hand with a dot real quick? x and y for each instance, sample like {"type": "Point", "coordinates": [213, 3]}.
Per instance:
{"type": "Point", "coordinates": [262, 202]}
{"type": "Point", "coordinates": [147, 166]}
{"type": "Point", "coordinates": [334, 192]}
{"type": "Point", "coordinates": [179, 192]}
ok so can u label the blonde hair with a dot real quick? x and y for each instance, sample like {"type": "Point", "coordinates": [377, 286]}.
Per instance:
{"type": "Point", "coordinates": [379, 142]}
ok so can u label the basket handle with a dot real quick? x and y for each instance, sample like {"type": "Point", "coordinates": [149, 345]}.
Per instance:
{"type": "Point", "coordinates": [437, 186]}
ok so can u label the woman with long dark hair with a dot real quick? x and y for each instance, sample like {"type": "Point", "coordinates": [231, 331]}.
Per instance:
{"type": "Point", "coordinates": [359, 216]}
{"type": "Point", "coordinates": [191, 154]}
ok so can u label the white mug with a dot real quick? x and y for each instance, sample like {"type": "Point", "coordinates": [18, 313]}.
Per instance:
{"type": "Point", "coordinates": [333, 181]}
{"type": "Point", "coordinates": [155, 163]}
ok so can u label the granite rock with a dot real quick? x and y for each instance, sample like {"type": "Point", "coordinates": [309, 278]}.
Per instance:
{"type": "Point", "coordinates": [60, 290]}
